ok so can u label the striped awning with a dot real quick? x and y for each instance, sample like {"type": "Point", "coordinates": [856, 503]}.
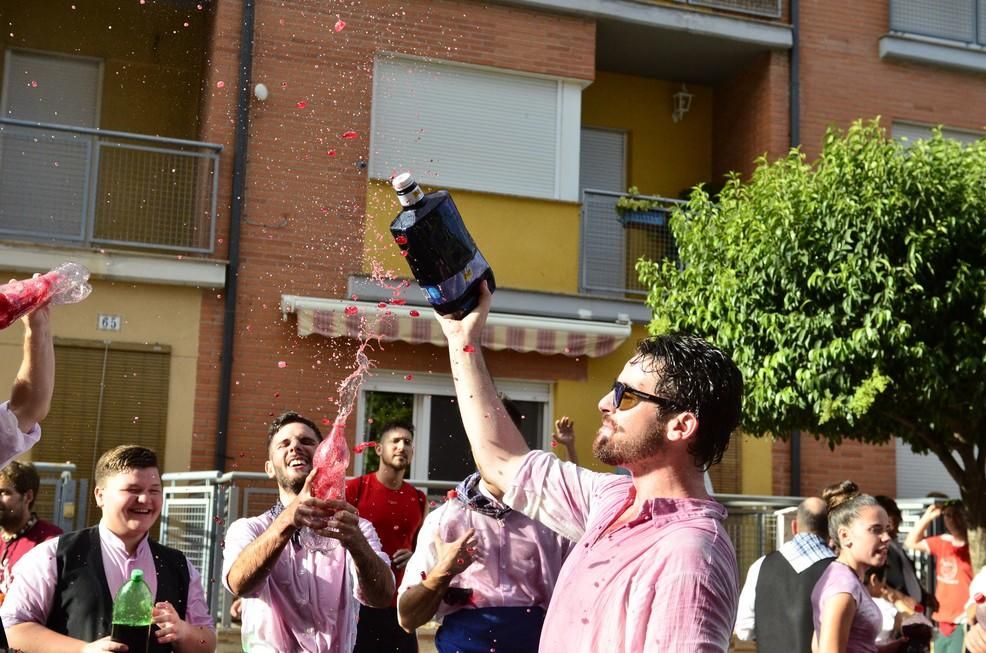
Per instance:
{"type": "Point", "coordinates": [335, 318]}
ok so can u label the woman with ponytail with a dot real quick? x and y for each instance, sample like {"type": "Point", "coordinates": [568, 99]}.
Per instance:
{"type": "Point", "coordinates": [846, 618]}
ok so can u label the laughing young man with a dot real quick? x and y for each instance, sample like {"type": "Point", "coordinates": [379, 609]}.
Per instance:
{"type": "Point", "coordinates": [296, 599]}
{"type": "Point", "coordinates": [62, 596]}
{"type": "Point", "coordinates": [653, 568]}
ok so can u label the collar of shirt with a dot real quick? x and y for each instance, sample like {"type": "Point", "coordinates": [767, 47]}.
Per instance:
{"type": "Point", "coordinates": [804, 550]}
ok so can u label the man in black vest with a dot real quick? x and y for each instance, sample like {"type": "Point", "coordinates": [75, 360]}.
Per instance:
{"type": "Point", "coordinates": [775, 604]}
{"type": "Point", "coordinates": [62, 596]}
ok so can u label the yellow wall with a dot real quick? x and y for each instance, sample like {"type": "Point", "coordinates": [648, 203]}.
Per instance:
{"type": "Point", "coordinates": [152, 314]}
{"type": "Point", "coordinates": [664, 157]}
{"type": "Point", "coordinates": [152, 63]}
{"type": "Point", "coordinates": [530, 244]}
{"type": "Point", "coordinates": [757, 476]}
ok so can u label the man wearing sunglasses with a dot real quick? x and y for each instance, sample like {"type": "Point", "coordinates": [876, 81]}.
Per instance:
{"type": "Point", "coordinates": [653, 568]}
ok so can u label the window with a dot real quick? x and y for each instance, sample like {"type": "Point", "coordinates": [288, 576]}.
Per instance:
{"type": "Point", "coordinates": [475, 128]}
{"type": "Point", "coordinates": [106, 394]}
{"type": "Point", "coordinates": [914, 132]}
{"type": "Point", "coordinates": [441, 451]}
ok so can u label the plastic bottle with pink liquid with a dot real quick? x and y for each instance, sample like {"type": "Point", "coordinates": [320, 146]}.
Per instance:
{"type": "Point", "coordinates": [66, 284]}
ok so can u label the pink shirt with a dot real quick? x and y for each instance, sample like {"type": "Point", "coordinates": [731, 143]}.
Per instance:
{"type": "Point", "coordinates": [866, 623]}
{"type": "Point", "coordinates": [309, 601]}
{"type": "Point", "coordinates": [665, 582]}
{"type": "Point", "coordinates": [519, 564]}
{"type": "Point", "coordinates": [13, 441]}
{"type": "Point", "coordinates": [32, 593]}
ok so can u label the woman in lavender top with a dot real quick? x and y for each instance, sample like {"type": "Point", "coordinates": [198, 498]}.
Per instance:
{"type": "Point", "coordinates": [846, 618]}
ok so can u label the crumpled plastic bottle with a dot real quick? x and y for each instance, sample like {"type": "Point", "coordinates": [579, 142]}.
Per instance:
{"type": "Point", "coordinates": [66, 284]}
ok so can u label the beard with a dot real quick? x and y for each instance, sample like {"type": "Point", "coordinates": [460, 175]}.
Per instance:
{"type": "Point", "coordinates": [292, 484]}
{"type": "Point", "coordinates": [609, 451]}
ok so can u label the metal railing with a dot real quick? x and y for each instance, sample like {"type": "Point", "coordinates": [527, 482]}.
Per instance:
{"type": "Point", "coordinates": [62, 499]}
{"type": "Point", "coordinates": [612, 243]}
{"type": "Point", "coordinates": [963, 21]}
{"type": "Point", "coordinates": [104, 188]}
{"type": "Point", "coordinates": [765, 8]}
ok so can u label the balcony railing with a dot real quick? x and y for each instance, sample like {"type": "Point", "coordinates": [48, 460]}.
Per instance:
{"type": "Point", "coordinates": [102, 188]}
{"type": "Point", "coordinates": [612, 244]}
{"type": "Point", "coordinates": [765, 8]}
{"type": "Point", "coordinates": [952, 20]}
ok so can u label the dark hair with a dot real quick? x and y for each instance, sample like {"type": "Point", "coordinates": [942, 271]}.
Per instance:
{"type": "Point", "coordinates": [701, 379]}
{"type": "Point", "coordinates": [290, 417]}
{"type": "Point", "coordinates": [395, 424]}
{"type": "Point", "coordinates": [844, 501]}
{"type": "Point", "coordinates": [125, 458]}
{"type": "Point", "coordinates": [24, 477]}
{"type": "Point", "coordinates": [888, 504]}
{"type": "Point", "coordinates": [880, 572]}
{"type": "Point", "coordinates": [512, 409]}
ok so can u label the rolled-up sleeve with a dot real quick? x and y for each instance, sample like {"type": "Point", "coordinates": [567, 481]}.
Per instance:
{"type": "Point", "coordinates": [558, 494]}
{"type": "Point", "coordinates": [30, 596]}
{"type": "Point", "coordinates": [373, 540]}
{"type": "Point", "coordinates": [238, 536]}
{"type": "Point", "coordinates": [13, 441]}
{"type": "Point", "coordinates": [197, 610]}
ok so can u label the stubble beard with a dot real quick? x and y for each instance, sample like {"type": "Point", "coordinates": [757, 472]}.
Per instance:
{"type": "Point", "coordinates": [609, 451]}
{"type": "Point", "coordinates": [292, 485]}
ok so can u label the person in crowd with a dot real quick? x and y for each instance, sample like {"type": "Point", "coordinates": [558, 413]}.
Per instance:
{"type": "Point", "coordinates": [294, 598]}
{"type": "Point", "coordinates": [846, 618]}
{"type": "Point", "coordinates": [564, 436]}
{"type": "Point", "coordinates": [20, 528]}
{"type": "Point", "coordinates": [30, 398]}
{"type": "Point", "coordinates": [893, 604]}
{"type": "Point", "coordinates": [396, 510]}
{"type": "Point", "coordinates": [486, 571]}
{"type": "Point", "coordinates": [653, 568]}
{"type": "Point", "coordinates": [953, 570]}
{"type": "Point", "coordinates": [900, 574]}
{"type": "Point", "coordinates": [62, 595]}
{"type": "Point", "coordinates": [775, 604]}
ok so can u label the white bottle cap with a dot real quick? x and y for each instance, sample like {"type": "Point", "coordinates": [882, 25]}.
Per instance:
{"type": "Point", "coordinates": [403, 181]}
{"type": "Point", "coordinates": [408, 191]}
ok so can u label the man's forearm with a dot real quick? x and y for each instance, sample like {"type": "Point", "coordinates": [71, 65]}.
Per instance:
{"type": "Point", "coordinates": [30, 397]}
{"type": "Point", "coordinates": [917, 534]}
{"type": "Point", "coordinates": [376, 580]}
{"type": "Point", "coordinates": [199, 639]}
{"type": "Point", "coordinates": [257, 559]}
{"type": "Point", "coordinates": [418, 604]}
{"type": "Point", "coordinates": [31, 637]}
{"type": "Point", "coordinates": [497, 445]}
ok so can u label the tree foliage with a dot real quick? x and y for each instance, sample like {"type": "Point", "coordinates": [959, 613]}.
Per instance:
{"type": "Point", "coordinates": [851, 292]}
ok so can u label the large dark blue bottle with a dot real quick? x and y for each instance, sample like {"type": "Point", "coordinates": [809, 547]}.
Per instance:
{"type": "Point", "coordinates": [443, 257]}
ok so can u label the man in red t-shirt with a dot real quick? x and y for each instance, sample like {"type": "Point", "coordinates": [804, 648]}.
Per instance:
{"type": "Point", "coordinates": [20, 528]}
{"type": "Point", "coordinates": [396, 510]}
{"type": "Point", "coordinates": [953, 570]}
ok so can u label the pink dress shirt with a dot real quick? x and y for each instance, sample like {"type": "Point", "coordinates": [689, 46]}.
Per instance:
{"type": "Point", "coordinates": [519, 558]}
{"type": "Point", "coordinates": [13, 441]}
{"type": "Point", "coordinates": [32, 593]}
{"type": "Point", "coordinates": [309, 602]}
{"type": "Point", "coordinates": [665, 582]}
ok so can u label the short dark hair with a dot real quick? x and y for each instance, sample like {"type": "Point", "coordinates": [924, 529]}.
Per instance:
{"type": "Point", "coordinates": [395, 424]}
{"type": "Point", "coordinates": [513, 410]}
{"type": "Point", "coordinates": [888, 504]}
{"type": "Point", "coordinates": [290, 417]}
{"type": "Point", "coordinates": [699, 378]}
{"type": "Point", "coordinates": [125, 458]}
{"type": "Point", "coordinates": [24, 477]}
{"type": "Point", "coordinates": [880, 572]}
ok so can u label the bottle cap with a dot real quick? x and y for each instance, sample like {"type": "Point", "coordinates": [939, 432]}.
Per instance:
{"type": "Point", "coordinates": [919, 608]}
{"type": "Point", "coordinates": [403, 182]}
{"type": "Point", "coordinates": [137, 574]}
{"type": "Point", "coordinates": [979, 598]}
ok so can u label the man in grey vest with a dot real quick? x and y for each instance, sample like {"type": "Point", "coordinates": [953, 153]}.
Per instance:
{"type": "Point", "coordinates": [775, 604]}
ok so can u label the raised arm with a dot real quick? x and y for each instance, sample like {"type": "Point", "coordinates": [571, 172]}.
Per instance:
{"type": "Point", "coordinates": [419, 603]}
{"type": "Point", "coordinates": [30, 397]}
{"type": "Point", "coordinates": [565, 436]}
{"type": "Point", "coordinates": [915, 539]}
{"type": "Point", "coordinates": [497, 446]}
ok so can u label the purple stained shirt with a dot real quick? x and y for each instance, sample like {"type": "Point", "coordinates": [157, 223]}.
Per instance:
{"type": "Point", "coordinates": [519, 558]}
{"type": "Point", "coordinates": [32, 592]}
{"type": "Point", "coordinates": [310, 600]}
{"type": "Point", "coordinates": [13, 441]}
{"type": "Point", "coordinates": [840, 579]}
{"type": "Point", "coordinates": [666, 581]}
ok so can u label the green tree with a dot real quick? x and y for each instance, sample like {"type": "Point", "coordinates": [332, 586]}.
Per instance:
{"type": "Point", "coordinates": [851, 291]}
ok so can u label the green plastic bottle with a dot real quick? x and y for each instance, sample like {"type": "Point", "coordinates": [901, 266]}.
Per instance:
{"type": "Point", "coordinates": [132, 614]}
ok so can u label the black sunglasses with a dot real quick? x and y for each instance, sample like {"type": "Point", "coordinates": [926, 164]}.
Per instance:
{"type": "Point", "coordinates": [625, 397]}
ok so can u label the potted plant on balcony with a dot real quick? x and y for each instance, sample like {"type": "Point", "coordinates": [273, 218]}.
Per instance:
{"type": "Point", "coordinates": [633, 208]}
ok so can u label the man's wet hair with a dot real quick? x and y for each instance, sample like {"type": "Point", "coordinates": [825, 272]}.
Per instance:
{"type": "Point", "coordinates": [697, 377]}
{"type": "Point", "coordinates": [290, 417]}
